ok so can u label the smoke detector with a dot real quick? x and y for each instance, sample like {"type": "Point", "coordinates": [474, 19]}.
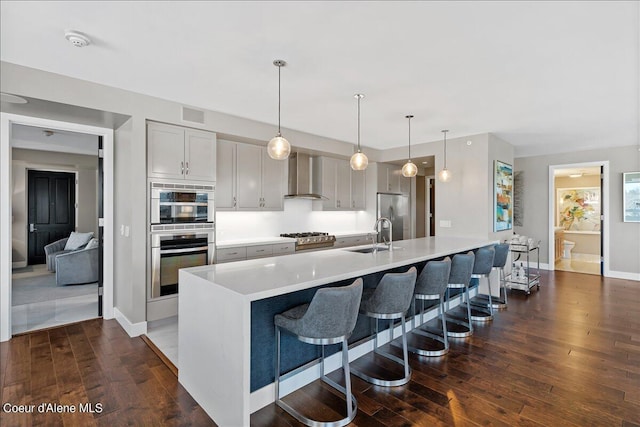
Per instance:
{"type": "Point", "coordinates": [48, 132]}
{"type": "Point", "coordinates": [76, 38]}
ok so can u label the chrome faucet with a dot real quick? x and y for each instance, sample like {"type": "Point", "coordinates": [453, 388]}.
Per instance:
{"type": "Point", "coordinates": [375, 228]}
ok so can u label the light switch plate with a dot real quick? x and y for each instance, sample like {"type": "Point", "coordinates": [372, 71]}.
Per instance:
{"type": "Point", "coordinates": [445, 223]}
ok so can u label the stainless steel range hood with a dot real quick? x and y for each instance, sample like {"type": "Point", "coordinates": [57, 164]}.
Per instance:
{"type": "Point", "coordinates": [300, 178]}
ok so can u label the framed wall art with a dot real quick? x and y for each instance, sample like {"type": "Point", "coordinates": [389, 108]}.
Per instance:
{"type": "Point", "coordinates": [503, 196]}
{"type": "Point", "coordinates": [631, 196]}
{"type": "Point", "coordinates": [579, 208]}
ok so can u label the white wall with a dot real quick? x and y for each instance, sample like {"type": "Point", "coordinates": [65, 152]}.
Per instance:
{"type": "Point", "coordinates": [86, 168]}
{"type": "Point", "coordinates": [624, 237]}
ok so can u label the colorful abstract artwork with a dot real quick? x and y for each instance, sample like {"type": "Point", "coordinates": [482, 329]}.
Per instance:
{"type": "Point", "coordinates": [579, 208]}
{"type": "Point", "coordinates": [631, 196]}
{"type": "Point", "coordinates": [503, 182]}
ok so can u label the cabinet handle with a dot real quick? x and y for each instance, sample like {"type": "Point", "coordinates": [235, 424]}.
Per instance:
{"type": "Point", "coordinates": [181, 168]}
{"type": "Point", "coordinates": [260, 250]}
{"type": "Point", "coordinates": [187, 168]}
{"type": "Point", "coordinates": [233, 253]}
{"type": "Point", "coordinates": [235, 202]}
{"type": "Point", "coordinates": [353, 204]}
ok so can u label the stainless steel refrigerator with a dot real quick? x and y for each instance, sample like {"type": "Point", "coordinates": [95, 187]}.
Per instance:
{"type": "Point", "coordinates": [394, 206]}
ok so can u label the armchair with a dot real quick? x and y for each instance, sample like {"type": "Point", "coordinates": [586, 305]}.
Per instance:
{"type": "Point", "coordinates": [54, 249]}
{"type": "Point", "coordinates": [77, 267]}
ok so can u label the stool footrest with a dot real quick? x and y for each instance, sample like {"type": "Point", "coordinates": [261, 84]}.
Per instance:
{"type": "Point", "coordinates": [438, 345]}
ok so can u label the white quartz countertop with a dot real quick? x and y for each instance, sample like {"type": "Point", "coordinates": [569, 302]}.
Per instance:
{"type": "Point", "coordinates": [266, 277]}
{"type": "Point", "coordinates": [222, 244]}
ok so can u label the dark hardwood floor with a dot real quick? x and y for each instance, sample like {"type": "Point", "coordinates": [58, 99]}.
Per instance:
{"type": "Point", "coordinates": [566, 355]}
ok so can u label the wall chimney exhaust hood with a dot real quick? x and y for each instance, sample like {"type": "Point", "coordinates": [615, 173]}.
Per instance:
{"type": "Point", "coordinates": [300, 181]}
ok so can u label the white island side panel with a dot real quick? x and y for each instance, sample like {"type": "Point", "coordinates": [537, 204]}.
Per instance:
{"type": "Point", "coordinates": [214, 347]}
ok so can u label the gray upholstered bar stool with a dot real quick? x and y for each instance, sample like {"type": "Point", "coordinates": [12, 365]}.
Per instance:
{"type": "Point", "coordinates": [391, 299]}
{"type": "Point", "coordinates": [328, 319]}
{"type": "Point", "coordinates": [431, 285]}
{"type": "Point", "coordinates": [459, 323]}
{"type": "Point", "coordinates": [482, 306]}
{"type": "Point", "coordinates": [499, 261]}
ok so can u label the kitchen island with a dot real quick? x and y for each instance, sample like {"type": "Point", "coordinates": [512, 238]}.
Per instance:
{"type": "Point", "coordinates": [226, 317]}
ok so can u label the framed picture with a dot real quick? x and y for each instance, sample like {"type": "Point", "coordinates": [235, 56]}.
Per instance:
{"type": "Point", "coordinates": [503, 199]}
{"type": "Point", "coordinates": [578, 208]}
{"type": "Point", "coordinates": [631, 196]}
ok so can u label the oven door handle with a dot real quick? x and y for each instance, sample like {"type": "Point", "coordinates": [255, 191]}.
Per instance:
{"type": "Point", "coordinates": [182, 251]}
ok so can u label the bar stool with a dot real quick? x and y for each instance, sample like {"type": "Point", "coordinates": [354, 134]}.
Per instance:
{"type": "Point", "coordinates": [391, 299]}
{"type": "Point", "coordinates": [499, 261]}
{"type": "Point", "coordinates": [459, 278]}
{"type": "Point", "coordinates": [431, 285]}
{"type": "Point", "coordinates": [481, 310]}
{"type": "Point", "coordinates": [329, 319]}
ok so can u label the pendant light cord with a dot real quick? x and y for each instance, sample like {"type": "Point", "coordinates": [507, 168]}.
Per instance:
{"type": "Point", "coordinates": [445, 149]}
{"type": "Point", "coordinates": [409, 138]}
{"type": "Point", "coordinates": [279, 67]}
{"type": "Point", "coordinates": [358, 124]}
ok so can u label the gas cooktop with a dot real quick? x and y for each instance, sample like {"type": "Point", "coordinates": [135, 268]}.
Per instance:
{"type": "Point", "coordinates": [311, 240]}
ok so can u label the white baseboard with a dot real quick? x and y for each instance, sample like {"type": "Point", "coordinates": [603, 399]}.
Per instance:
{"type": "Point", "coordinates": [266, 395]}
{"type": "Point", "coordinates": [133, 329]}
{"type": "Point", "coordinates": [623, 275]}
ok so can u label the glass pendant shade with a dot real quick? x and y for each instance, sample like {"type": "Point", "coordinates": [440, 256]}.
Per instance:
{"type": "Point", "coordinates": [409, 169]}
{"type": "Point", "coordinates": [278, 148]}
{"type": "Point", "coordinates": [359, 161]}
{"type": "Point", "coordinates": [444, 175]}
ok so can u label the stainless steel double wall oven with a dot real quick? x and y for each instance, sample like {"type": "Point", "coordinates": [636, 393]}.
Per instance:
{"type": "Point", "coordinates": [182, 232]}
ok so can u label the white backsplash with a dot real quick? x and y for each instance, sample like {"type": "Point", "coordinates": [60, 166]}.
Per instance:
{"type": "Point", "coordinates": [298, 216]}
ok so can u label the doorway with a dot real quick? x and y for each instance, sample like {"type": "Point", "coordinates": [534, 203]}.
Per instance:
{"type": "Point", "coordinates": [578, 218]}
{"type": "Point", "coordinates": [60, 282]}
{"type": "Point", "coordinates": [105, 227]}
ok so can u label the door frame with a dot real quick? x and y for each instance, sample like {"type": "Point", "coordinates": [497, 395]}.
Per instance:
{"type": "Point", "coordinates": [6, 122]}
{"type": "Point", "coordinates": [604, 195]}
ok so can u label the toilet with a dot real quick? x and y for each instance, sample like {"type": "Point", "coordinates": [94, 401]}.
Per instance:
{"type": "Point", "coordinates": [567, 246]}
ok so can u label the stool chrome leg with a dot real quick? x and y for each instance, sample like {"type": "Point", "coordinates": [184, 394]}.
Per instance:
{"type": "Point", "coordinates": [442, 350]}
{"type": "Point", "coordinates": [462, 325]}
{"type": "Point", "coordinates": [351, 402]}
{"type": "Point", "coordinates": [404, 361]}
{"type": "Point", "coordinates": [482, 311]}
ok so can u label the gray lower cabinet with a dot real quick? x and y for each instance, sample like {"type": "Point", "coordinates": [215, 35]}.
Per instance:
{"type": "Point", "coordinates": [239, 253]}
{"type": "Point", "coordinates": [344, 242]}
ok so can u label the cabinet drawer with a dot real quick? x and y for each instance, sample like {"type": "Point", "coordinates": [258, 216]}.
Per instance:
{"type": "Point", "coordinates": [284, 248]}
{"type": "Point", "coordinates": [231, 254]}
{"type": "Point", "coordinates": [259, 251]}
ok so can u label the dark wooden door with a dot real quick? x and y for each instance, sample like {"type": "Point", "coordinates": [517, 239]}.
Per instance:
{"type": "Point", "coordinates": [51, 210]}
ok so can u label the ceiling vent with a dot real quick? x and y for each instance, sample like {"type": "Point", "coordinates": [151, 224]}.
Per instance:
{"type": "Point", "coordinates": [192, 115]}
{"type": "Point", "coordinates": [76, 38]}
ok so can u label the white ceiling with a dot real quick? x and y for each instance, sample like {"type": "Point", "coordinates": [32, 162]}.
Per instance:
{"type": "Point", "coordinates": [544, 76]}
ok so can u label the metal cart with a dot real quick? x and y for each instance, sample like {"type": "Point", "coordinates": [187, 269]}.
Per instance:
{"type": "Point", "coordinates": [531, 277]}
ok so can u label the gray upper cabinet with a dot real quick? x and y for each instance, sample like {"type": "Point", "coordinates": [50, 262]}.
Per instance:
{"type": "Point", "coordinates": [390, 179]}
{"type": "Point", "coordinates": [226, 175]}
{"type": "Point", "coordinates": [248, 179]}
{"type": "Point", "coordinates": [358, 189]}
{"type": "Point", "coordinates": [180, 153]}
{"type": "Point", "coordinates": [343, 188]}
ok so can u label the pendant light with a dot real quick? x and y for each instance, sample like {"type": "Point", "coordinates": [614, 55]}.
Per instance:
{"type": "Point", "coordinates": [409, 169]}
{"type": "Point", "coordinates": [359, 161]}
{"type": "Point", "coordinates": [444, 175]}
{"type": "Point", "coordinates": [279, 148]}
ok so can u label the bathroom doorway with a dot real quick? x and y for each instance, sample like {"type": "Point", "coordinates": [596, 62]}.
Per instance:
{"type": "Point", "coordinates": [577, 217]}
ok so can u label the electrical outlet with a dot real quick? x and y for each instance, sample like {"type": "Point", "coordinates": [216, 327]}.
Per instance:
{"type": "Point", "coordinates": [445, 223]}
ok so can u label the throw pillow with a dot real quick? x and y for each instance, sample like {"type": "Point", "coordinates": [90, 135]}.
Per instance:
{"type": "Point", "coordinates": [93, 243]}
{"type": "Point", "coordinates": [77, 240]}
